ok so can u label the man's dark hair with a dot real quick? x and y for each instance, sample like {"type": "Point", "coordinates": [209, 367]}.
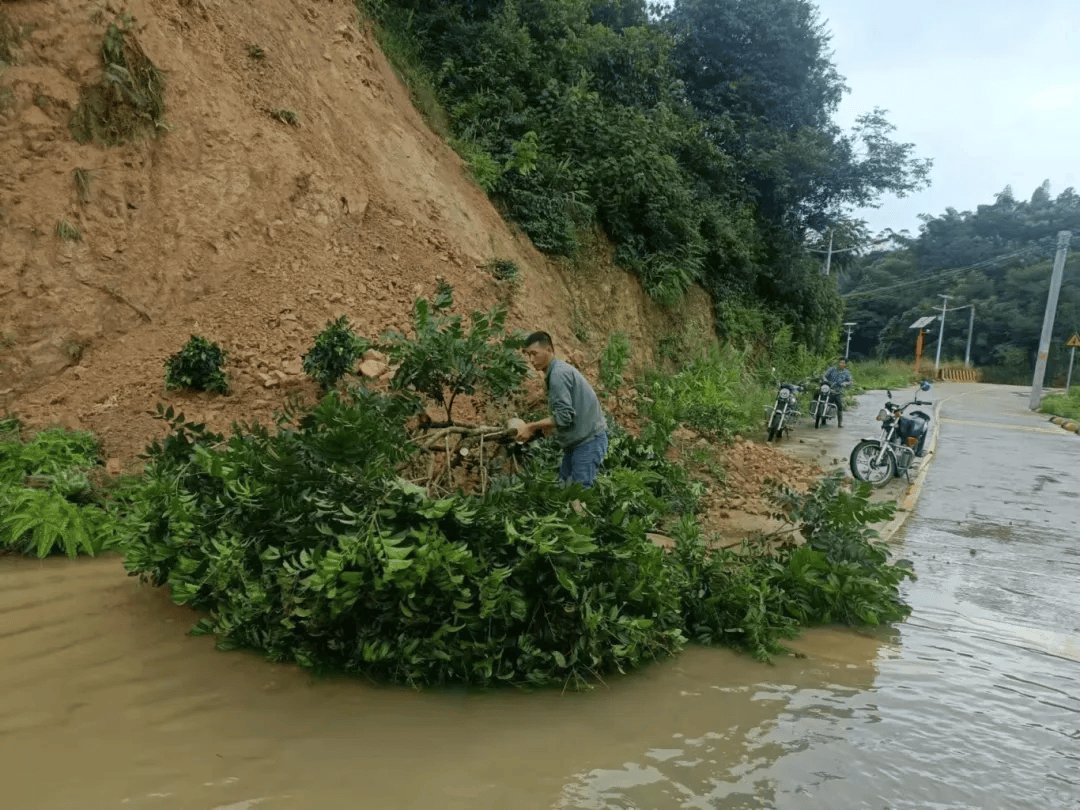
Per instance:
{"type": "Point", "coordinates": [543, 338]}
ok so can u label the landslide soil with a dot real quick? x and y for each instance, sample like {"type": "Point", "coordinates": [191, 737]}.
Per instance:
{"type": "Point", "coordinates": [254, 233]}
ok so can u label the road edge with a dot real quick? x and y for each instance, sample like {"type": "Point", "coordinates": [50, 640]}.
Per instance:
{"type": "Point", "coordinates": [914, 490]}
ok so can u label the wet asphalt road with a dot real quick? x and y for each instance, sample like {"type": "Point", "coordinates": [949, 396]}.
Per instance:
{"type": "Point", "coordinates": [977, 703]}
{"type": "Point", "coordinates": [989, 444]}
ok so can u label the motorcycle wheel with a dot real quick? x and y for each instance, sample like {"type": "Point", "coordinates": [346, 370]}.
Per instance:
{"type": "Point", "coordinates": [819, 419]}
{"type": "Point", "coordinates": [865, 468]}
{"type": "Point", "coordinates": [775, 429]}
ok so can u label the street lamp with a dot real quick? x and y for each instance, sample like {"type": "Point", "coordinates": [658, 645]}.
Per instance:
{"type": "Point", "coordinates": [847, 349]}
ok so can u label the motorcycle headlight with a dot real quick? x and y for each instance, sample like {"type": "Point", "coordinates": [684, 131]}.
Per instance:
{"type": "Point", "coordinates": [882, 415]}
{"type": "Point", "coordinates": [784, 393]}
{"type": "Point", "coordinates": [825, 388]}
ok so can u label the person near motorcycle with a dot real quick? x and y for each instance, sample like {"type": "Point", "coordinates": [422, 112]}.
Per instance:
{"type": "Point", "coordinates": [838, 377]}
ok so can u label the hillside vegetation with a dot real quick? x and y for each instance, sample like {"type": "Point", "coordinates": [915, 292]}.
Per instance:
{"type": "Point", "coordinates": [998, 258]}
{"type": "Point", "coordinates": [700, 140]}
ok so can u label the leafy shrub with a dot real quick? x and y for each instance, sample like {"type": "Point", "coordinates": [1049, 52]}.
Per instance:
{"type": "Point", "coordinates": [444, 360]}
{"type": "Point", "coordinates": [303, 543]}
{"type": "Point", "coordinates": [47, 503]}
{"type": "Point", "coordinates": [754, 598]}
{"type": "Point", "coordinates": [336, 350]}
{"type": "Point", "coordinates": [613, 360]}
{"type": "Point", "coordinates": [306, 542]}
{"type": "Point", "coordinates": [503, 269]}
{"type": "Point", "coordinates": [128, 100]}
{"type": "Point", "coordinates": [716, 395]}
{"type": "Point", "coordinates": [197, 366]}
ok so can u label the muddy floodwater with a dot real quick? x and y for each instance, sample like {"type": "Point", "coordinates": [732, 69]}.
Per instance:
{"type": "Point", "coordinates": [974, 702]}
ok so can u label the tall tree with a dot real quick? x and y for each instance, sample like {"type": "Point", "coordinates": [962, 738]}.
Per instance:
{"type": "Point", "coordinates": [766, 66]}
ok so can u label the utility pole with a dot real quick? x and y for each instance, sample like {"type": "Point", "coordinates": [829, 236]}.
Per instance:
{"type": "Point", "coordinates": [1048, 319]}
{"type": "Point", "coordinates": [941, 331]}
{"type": "Point", "coordinates": [847, 349]}
{"type": "Point", "coordinates": [828, 253]}
{"type": "Point", "coordinates": [971, 329]}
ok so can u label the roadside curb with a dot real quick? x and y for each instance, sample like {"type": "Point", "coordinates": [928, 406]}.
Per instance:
{"type": "Point", "coordinates": [1065, 424]}
{"type": "Point", "coordinates": [914, 490]}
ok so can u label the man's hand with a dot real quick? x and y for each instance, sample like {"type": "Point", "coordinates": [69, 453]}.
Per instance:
{"type": "Point", "coordinates": [524, 433]}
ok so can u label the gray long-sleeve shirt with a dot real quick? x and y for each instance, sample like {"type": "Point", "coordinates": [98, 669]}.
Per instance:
{"type": "Point", "coordinates": [575, 408]}
{"type": "Point", "coordinates": [835, 376]}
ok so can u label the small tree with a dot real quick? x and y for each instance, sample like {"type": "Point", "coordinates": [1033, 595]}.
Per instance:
{"type": "Point", "coordinates": [197, 366]}
{"type": "Point", "coordinates": [336, 350]}
{"type": "Point", "coordinates": [445, 359]}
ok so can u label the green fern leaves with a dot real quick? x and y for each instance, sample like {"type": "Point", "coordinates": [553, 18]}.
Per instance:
{"type": "Point", "coordinates": [46, 499]}
{"type": "Point", "coordinates": [40, 522]}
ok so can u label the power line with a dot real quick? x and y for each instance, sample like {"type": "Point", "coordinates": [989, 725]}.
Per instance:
{"type": "Point", "coordinates": [944, 274]}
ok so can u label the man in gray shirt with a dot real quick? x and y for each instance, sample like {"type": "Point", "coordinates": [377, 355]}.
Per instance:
{"type": "Point", "coordinates": [579, 422]}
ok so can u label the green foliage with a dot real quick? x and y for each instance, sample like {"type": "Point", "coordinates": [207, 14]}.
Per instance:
{"type": "Point", "coordinates": [304, 544]}
{"type": "Point", "coordinates": [754, 598]}
{"type": "Point", "coordinates": [1066, 405]}
{"type": "Point", "coordinates": [484, 169]}
{"type": "Point", "coordinates": [83, 178]}
{"type": "Point", "coordinates": [445, 359]}
{"type": "Point", "coordinates": [42, 522]}
{"type": "Point", "coordinates": [256, 51]}
{"type": "Point", "coordinates": [286, 116]}
{"type": "Point", "coordinates": [573, 115]}
{"type": "Point", "coordinates": [998, 258]}
{"type": "Point", "coordinates": [613, 361]}
{"type": "Point", "coordinates": [336, 350]}
{"type": "Point", "coordinates": [717, 395]}
{"type": "Point", "coordinates": [873, 375]}
{"type": "Point", "coordinates": [68, 232]}
{"type": "Point", "coordinates": [50, 453]}
{"type": "Point", "coordinates": [128, 100]}
{"type": "Point", "coordinates": [503, 269]}
{"type": "Point", "coordinates": [47, 503]}
{"type": "Point", "coordinates": [197, 366]}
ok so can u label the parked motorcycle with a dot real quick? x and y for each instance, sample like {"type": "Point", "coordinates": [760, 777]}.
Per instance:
{"type": "Point", "coordinates": [902, 440]}
{"type": "Point", "coordinates": [822, 409]}
{"type": "Point", "coordinates": [785, 411]}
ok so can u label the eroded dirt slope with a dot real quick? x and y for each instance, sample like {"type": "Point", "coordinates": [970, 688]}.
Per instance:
{"type": "Point", "coordinates": [241, 227]}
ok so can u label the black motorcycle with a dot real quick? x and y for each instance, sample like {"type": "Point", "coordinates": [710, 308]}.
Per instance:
{"type": "Point", "coordinates": [784, 411]}
{"type": "Point", "coordinates": [823, 408]}
{"type": "Point", "coordinates": [902, 440]}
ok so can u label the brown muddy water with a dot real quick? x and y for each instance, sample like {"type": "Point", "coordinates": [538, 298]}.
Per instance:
{"type": "Point", "coordinates": [105, 702]}
{"type": "Point", "coordinates": [973, 702]}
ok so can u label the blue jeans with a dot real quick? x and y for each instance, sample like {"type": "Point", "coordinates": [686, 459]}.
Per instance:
{"type": "Point", "coordinates": [582, 462]}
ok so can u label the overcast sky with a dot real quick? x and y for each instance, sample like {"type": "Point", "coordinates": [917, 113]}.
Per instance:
{"type": "Point", "coordinates": [990, 90]}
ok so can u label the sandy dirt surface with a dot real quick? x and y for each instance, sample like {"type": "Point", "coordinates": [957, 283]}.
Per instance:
{"type": "Point", "coordinates": [242, 228]}
{"type": "Point", "coordinates": [253, 233]}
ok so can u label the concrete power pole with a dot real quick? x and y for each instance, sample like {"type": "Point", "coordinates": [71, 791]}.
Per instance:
{"type": "Point", "coordinates": [847, 349]}
{"type": "Point", "coordinates": [1048, 319]}
{"type": "Point", "coordinates": [828, 256]}
{"type": "Point", "coordinates": [941, 331]}
{"type": "Point", "coordinates": [971, 329]}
